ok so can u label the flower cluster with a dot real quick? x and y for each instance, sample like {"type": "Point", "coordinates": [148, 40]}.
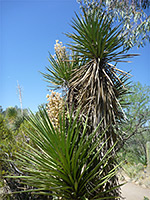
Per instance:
{"type": "Point", "coordinates": [55, 107]}
{"type": "Point", "coordinates": [60, 50]}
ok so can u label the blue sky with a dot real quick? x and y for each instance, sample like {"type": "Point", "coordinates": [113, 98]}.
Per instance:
{"type": "Point", "coordinates": [28, 30]}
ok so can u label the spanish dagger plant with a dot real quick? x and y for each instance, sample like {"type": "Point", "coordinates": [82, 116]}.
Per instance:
{"type": "Point", "coordinates": [98, 86]}
{"type": "Point", "coordinates": [61, 67]}
{"type": "Point", "coordinates": [66, 160]}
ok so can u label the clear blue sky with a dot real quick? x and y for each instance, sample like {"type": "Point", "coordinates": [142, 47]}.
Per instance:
{"type": "Point", "coordinates": [28, 30]}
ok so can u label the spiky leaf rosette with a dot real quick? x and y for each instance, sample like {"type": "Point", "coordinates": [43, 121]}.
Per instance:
{"type": "Point", "coordinates": [61, 66]}
{"type": "Point", "coordinates": [94, 37]}
{"type": "Point", "coordinates": [98, 86]}
{"type": "Point", "coordinates": [65, 161]}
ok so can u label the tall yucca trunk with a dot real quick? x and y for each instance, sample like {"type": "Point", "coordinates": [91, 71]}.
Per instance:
{"type": "Point", "coordinates": [94, 89]}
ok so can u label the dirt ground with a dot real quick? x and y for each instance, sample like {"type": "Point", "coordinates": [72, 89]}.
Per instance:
{"type": "Point", "coordinates": [134, 192]}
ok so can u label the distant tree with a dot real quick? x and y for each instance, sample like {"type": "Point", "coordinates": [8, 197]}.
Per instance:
{"type": "Point", "coordinates": [136, 129]}
{"type": "Point", "coordinates": [138, 110]}
{"type": "Point", "coordinates": [11, 114]}
{"type": "Point", "coordinates": [15, 116]}
{"type": "Point", "coordinates": [131, 14]}
{"type": "Point", "coordinates": [134, 150]}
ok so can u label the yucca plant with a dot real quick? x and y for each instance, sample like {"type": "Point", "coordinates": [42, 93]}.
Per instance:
{"type": "Point", "coordinates": [95, 83]}
{"type": "Point", "coordinates": [98, 86]}
{"type": "Point", "coordinates": [66, 161]}
{"type": "Point", "coordinates": [62, 64]}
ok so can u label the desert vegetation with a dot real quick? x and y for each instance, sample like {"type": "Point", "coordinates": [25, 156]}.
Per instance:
{"type": "Point", "coordinates": [75, 144]}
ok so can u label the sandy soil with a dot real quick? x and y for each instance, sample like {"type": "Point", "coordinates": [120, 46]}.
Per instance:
{"type": "Point", "coordinates": [134, 192]}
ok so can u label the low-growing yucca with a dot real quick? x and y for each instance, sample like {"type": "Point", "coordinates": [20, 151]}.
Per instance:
{"type": "Point", "coordinates": [66, 161]}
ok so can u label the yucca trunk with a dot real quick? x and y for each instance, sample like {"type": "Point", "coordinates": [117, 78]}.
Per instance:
{"type": "Point", "coordinates": [94, 89]}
